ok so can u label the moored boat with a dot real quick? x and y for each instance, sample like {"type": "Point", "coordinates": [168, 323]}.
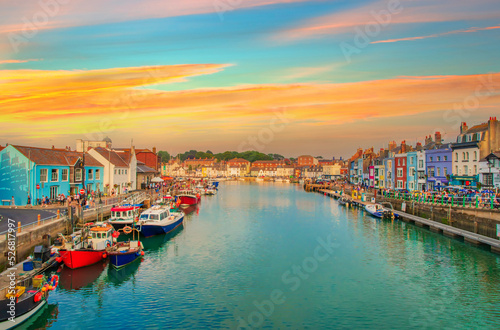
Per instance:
{"type": "Point", "coordinates": [23, 301]}
{"type": "Point", "coordinates": [87, 246]}
{"type": "Point", "coordinates": [124, 253]}
{"type": "Point", "coordinates": [124, 215]}
{"type": "Point", "coordinates": [376, 210]}
{"type": "Point", "coordinates": [159, 220]}
{"type": "Point", "coordinates": [188, 198]}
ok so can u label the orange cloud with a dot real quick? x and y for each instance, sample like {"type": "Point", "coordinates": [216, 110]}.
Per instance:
{"type": "Point", "coordinates": [471, 30]}
{"type": "Point", "coordinates": [15, 61]}
{"type": "Point", "coordinates": [425, 11]}
{"type": "Point", "coordinates": [59, 103]}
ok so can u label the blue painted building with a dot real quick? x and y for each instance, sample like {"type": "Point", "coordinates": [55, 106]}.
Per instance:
{"type": "Point", "coordinates": [40, 172]}
{"type": "Point", "coordinates": [438, 161]}
{"type": "Point", "coordinates": [411, 171]}
{"type": "Point", "coordinates": [389, 171]}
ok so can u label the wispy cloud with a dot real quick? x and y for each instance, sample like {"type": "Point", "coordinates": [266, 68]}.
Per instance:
{"type": "Point", "coordinates": [15, 61]}
{"type": "Point", "coordinates": [424, 11]}
{"type": "Point", "coordinates": [471, 30]}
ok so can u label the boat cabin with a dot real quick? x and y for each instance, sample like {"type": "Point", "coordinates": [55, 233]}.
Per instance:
{"type": "Point", "coordinates": [101, 236]}
{"type": "Point", "coordinates": [124, 212]}
{"type": "Point", "coordinates": [156, 213]}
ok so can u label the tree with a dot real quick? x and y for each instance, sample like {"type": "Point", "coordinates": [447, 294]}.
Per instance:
{"type": "Point", "coordinates": [209, 152]}
{"type": "Point", "coordinates": [164, 156]}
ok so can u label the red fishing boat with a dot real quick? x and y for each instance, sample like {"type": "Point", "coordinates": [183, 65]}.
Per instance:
{"type": "Point", "coordinates": [88, 246]}
{"type": "Point", "coordinates": [189, 198]}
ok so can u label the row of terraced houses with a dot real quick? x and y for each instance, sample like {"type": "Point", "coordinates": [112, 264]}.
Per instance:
{"type": "Point", "coordinates": [471, 160]}
{"type": "Point", "coordinates": [305, 166]}
{"type": "Point", "coordinates": [32, 173]}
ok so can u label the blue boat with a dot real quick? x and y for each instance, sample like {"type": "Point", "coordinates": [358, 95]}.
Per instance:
{"type": "Point", "coordinates": [123, 253]}
{"type": "Point", "coordinates": [158, 220]}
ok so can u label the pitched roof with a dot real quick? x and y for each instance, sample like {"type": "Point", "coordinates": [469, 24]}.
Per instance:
{"type": "Point", "coordinates": [477, 128]}
{"type": "Point", "coordinates": [145, 169]}
{"type": "Point", "coordinates": [45, 156]}
{"type": "Point", "coordinates": [113, 157]}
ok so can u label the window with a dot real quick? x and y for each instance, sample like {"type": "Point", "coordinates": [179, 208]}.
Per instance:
{"type": "Point", "coordinates": [400, 172]}
{"type": "Point", "coordinates": [97, 174]}
{"type": "Point", "coordinates": [125, 171]}
{"type": "Point", "coordinates": [421, 163]}
{"type": "Point", "coordinates": [475, 155]}
{"type": "Point", "coordinates": [439, 158]}
{"type": "Point", "coordinates": [488, 179]}
{"type": "Point", "coordinates": [115, 172]}
{"type": "Point", "coordinates": [445, 171]}
{"type": "Point", "coordinates": [445, 158]}
{"type": "Point", "coordinates": [43, 175]}
{"type": "Point", "coordinates": [475, 170]}
{"type": "Point", "coordinates": [90, 176]}
{"type": "Point", "coordinates": [456, 156]}
{"type": "Point", "coordinates": [78, 174]}
{"type": "Point", "coordinates": [403, 162]}
{"type": "Point", "coordinates": [466, 170]}
{"type": "Point", "coordinates": [54, 175]}
{"type": "Point", "coordinates": [430, 159]}
{"type": "Point", "coordinates": [430, 170]}
{"type": "Point", "coordinates": [411, 161]}
{"type": "Point", "coordinates": [65, 174]}
{"type": "Point", "coordinates": [438, 171]}
{"type": "Point", "coordinates": [467, 154]}
{"type": "Point", "coordinates": [463, 156]}
{"type": "Point", "coordinates": [456, 169]}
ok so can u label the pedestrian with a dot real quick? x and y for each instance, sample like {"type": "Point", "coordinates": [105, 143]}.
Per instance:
{"type": "Point", "coordinates": [29, 201]}
{"type": "Point", "coordinates": [13, 201]}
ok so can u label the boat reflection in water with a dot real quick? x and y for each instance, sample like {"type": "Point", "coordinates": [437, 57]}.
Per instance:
{"type": "Point", "coordinates": [43, 319]}
{"type": "Point", "coordinates": [190, 209]}
{"type": "Point", "coordinates": [119, 276]}
{"type": "Point", "coordinates": [155, 243]}
{"type": "Point", "coordinates": [75, 279]}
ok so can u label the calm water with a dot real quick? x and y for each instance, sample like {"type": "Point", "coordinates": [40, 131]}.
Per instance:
{"type": "Point", "coordinates": [273, 256]}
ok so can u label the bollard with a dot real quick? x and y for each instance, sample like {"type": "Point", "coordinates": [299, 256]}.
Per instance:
{"type": "Point", "coordinates": [58, 214]}
{"type": "Point", "coordinates": [38, 220]}
{"type": "Point", "coordinates": [19, 226]}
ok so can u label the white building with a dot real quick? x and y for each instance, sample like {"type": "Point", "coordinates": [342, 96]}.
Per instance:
{"type": "Point", "coordinates": [120, 169]}
{"type": "Point", "coordinates": [489, 171]}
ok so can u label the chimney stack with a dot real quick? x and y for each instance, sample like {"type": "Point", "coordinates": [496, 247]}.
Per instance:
{"type": "Point", "coordinates": [463, 127]}
{"type": "Point", "coordinates": [437, 137]}
{"type": "Point", "coordinates": [154, 150]}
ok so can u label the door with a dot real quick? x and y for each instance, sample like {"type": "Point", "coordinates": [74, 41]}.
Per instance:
{"type": "Point", "coordinates": [54, 191]}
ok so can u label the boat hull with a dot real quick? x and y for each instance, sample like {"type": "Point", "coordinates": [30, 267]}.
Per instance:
{"type": "Point", "coordinates": [149, 230]}
{"type": "Point", "coordinates": [24, 310]}
{"type": "Point", "coordinates": [188, 200]}
{"type": "Point", "coordinates": [81, 258]}
{"type": "Point", "coordinates": [119, 259]}
{"type": "Point", "coordinates": [120, 224]}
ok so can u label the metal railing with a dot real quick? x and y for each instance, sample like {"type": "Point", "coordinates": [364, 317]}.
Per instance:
{"type": "Point", "coordinates": [475, 201]}
{"type": "Point", "coordinates": [133, 198]}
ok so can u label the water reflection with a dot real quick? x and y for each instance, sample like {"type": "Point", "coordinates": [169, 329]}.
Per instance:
{"type": "Point", "coordinates": [43, 319]}
{"type": "Point", "coordinates": [118, 277]}
{"type": "Point", "coordinates": [76, 279]}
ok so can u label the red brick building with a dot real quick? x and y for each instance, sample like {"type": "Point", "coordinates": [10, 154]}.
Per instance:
{"type": "Point", "coordinates": [198, 162]}
{"type": "Point", "coordinates": [307, 161]}
{"type": "Point", "coordinates": [267, 163]}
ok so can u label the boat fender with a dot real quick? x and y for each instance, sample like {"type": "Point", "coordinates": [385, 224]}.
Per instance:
{"type": "Point", "coordinates": [104, 255]}
{"type": "Point", "coordinates": [142, 253]}
{"type": "Point", "coordinates": [37, 297]}
{"type": "Point", "coordinates": [108, 243]}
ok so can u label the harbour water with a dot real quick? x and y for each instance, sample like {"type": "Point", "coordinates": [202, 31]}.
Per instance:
{"type": "Point", "coordinates": [271, 255]}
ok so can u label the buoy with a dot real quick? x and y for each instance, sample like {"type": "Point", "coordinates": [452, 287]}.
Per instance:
{"type": "Point", "coordinates": [104, 255]}
{"type": "Point", "coordinates": [142, 253]}
{"type": "Point", "coordinates": [44, 289]}
{"type": "Point", "coordinates": [37, 297]}
{"type": "Point", "coordinates": [50, 287]}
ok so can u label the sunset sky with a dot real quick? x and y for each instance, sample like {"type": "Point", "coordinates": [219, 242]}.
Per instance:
{"type": "Point", "coordinates": [278, 76]}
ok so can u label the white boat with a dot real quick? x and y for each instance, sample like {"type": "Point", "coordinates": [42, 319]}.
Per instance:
{"type": "Point", "coordinates": [376, 210]}
{"type": "Point", "coordinates": [159, 220]}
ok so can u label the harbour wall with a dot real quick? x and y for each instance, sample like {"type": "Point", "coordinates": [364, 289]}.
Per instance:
{"type": "Point", "coordinates": [480, 221]}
